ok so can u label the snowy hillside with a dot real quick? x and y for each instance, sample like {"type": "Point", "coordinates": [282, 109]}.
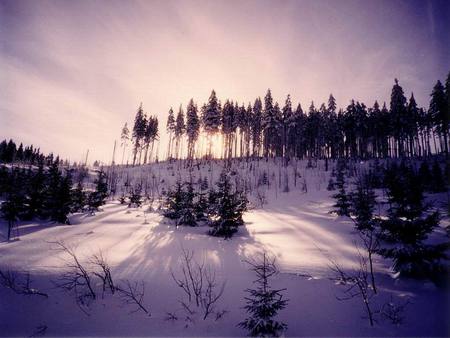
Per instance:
{"type": "Point", "coordinates": [142, 246]}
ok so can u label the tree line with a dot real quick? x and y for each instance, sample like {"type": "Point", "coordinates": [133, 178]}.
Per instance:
{"type": "Point", "coordinates": [267, 129]}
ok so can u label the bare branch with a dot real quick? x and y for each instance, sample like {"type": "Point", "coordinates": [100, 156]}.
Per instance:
{"type": "Point", "coordinates": [11, 280]}
{"type": "Point", "coordinates": [133, 294]}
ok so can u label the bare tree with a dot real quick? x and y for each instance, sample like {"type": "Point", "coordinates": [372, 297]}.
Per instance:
{"type": "Point", "coordinates": [76, 277]}
{"type": "Point", "coordinates": [210, 295]}
{"type": "Point", "coordinates": [371, 241]}
{"type": "Point", "coordinates": [103, 272]}
{"type": "Point", "coordinates": [394, 312]}
{"type": "Point", "coordinates": [199, 284]}
{"type": "Point", "coordinates": [133, 294]}
{"type": "Point", "coordinates": [356, 282]}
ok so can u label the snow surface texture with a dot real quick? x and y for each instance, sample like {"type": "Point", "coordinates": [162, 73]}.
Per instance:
{"type": "Point", "coordinates": [141, 245]}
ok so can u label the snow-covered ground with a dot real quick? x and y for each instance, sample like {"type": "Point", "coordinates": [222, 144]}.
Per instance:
{"type": "Point", "coordinates": [294, 226]}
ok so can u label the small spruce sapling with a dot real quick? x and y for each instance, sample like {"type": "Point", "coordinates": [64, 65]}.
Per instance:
{"type": "Point", "coordinates": [264, 302]}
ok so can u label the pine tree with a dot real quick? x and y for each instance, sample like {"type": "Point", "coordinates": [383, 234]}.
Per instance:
{"type": "Point", "coordinates": [63, 202]}
{"type": "Point", "coordinates": [180, 129]}
{"type": "Point", "coordinates": [342, 204]}
{"type": "Point", "coordinates": [256, 127]}
{"type": "Point", "coordinates": [229, 206]}
{"type": "Point", "coordinates": [192, 127]}
{"type": "Point", "coordinates": [98, 197]}
{"type": "Point", "coordinates": [201, 204]}
{"type": "Point", "coordinates": [124, 138]}
{"type": "Point", "coordinates": [79, 198]}
{"type": "Point", "coordinates": [35, 194]}
{"type": "Point", "coordinates": [174, 201]}
{"type": "Point", "coordinates": [188, 210]}
{"type": "Point", "coordinates": [138, 132]}
{"type": "Point", "coordinates": [211, 118]}
{"type": "Point", "coordinates": [408, 225]}
{"type": "Point", "coordinates": [179, 204]}
{"type": "Point", "coordinates": [170, 128]}
{"type": "Point", "coordinates": [135, 200]}
{"type": "Point", "coordinates": [363, 205]}
{"type": "Point", "coordinates": [264, 303]}
{"type": "Point", "coordinates": [52, 190]}
{"type": "Point", "coordinates": [440, 112]}
{"type": "Point", "coordinates": [12, 207]}
{"type": "Point", "coordinates": [399, 116]}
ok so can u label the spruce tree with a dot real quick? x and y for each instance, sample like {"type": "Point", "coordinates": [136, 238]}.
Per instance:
{"type": "Point", "coordinates": [180, 129]}
{"type": "Point", "coordinates": [63, 202]}
{"type": "Point", "coordinates": [35, 194]}
{"type": "Point", "coordinates": [342, 205]}
{"type": "Point", "coordinates": [138, 131]}
{"type": "Point", "coordinates": [187, 212]}
{"type": "Point", "coordinates": [256, 127]}
{"type": "Point", "coordinates": [98, 197]}
{"type": "Point", "coordinates": [135, 200]}
{"type": "Point", "coordinates": [124, 138]}
{"type": "Point", "coordinates": [439, 111]}
{"type": "Point", "coordinates": [79, 198]}
{"type": "Point", "coordinates": [363, 205]}
{"type": "Point", "coordinates": [174, 201]}
{"type": "Point", "coordinates": [52, 190]}
{"type": "Point", "coordinates": [170, 128]}
{"type": "Point", "coordinates": [264, 302]}
{"type": "Point", "coordinates": [211, 118]}
{"type": "Point", "coordinates": [192, 127]}
{"type": "Point", "coordinates": [408, 226]}
{"type": "Point", "coordinates": [228, 208]}
{"type": "Point", "coordinates": [12, 207]}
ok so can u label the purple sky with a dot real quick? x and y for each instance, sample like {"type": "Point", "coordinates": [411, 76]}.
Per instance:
{"type": "Point", "coordinates": [72, 72]}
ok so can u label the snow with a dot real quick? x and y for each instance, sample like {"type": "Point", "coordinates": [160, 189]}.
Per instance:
{"type": "Point", "coordinates": [140, 245]}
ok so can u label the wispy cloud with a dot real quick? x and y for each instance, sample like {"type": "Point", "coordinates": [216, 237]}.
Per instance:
{"type": "Point", "coordinates": [74, 71]}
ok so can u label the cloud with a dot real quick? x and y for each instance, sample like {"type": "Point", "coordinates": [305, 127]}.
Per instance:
{"type": "Point", "coordinates": [75, 71]}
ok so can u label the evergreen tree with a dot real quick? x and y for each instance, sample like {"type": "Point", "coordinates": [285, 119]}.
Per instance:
{"type": "Point", "coordinates": [229, 206]}
{"type": "Point", "coordinates": [179, 204]}
{"type": "Point", "coordinates": [52, 191]}
{"type": "Point", "coordinates": [63, 202]}
{"type": "Point", "coordinates": [264, 302]}
{"type": "Point", "coordinates": [188, 210]}
{"type": "Point", "coordinates": [79, 198]}
{"type": "Point", "coordinates": [124, 138]}
{"type": "Point", "coordinates": [362, 205]}
{"type": "Point", "coordinates": [180, 129]}
{"type": "Point", "coordinates": [11, 208]}
{"type": "Point", "coordinates": [170, 128]}
{"type": "Point", "coordinates": [35, 193]}
{"type": "Point", "coordinates": [211, 118]}
{"type": "Point", "coordinates": [192, 127]}
{"type": "Point", "coordinates": [256, 127]}
{"type": "Point", "coordinates": [408, 226]}
{"type": "Point", "coordinates": [98, 197]}
{"type": "Point", "coordinates": [399, 116]}
{"type": "Point", "coordinates": [173, 201]}
{"type": "Point", "coordinates": [135, 200]}
{"type": "Point", "coordinates": [440, 112]}
{"type": "Point", "coordinates": [138, 132]}
{"type": "Point", "coordinates": [342, 205]}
